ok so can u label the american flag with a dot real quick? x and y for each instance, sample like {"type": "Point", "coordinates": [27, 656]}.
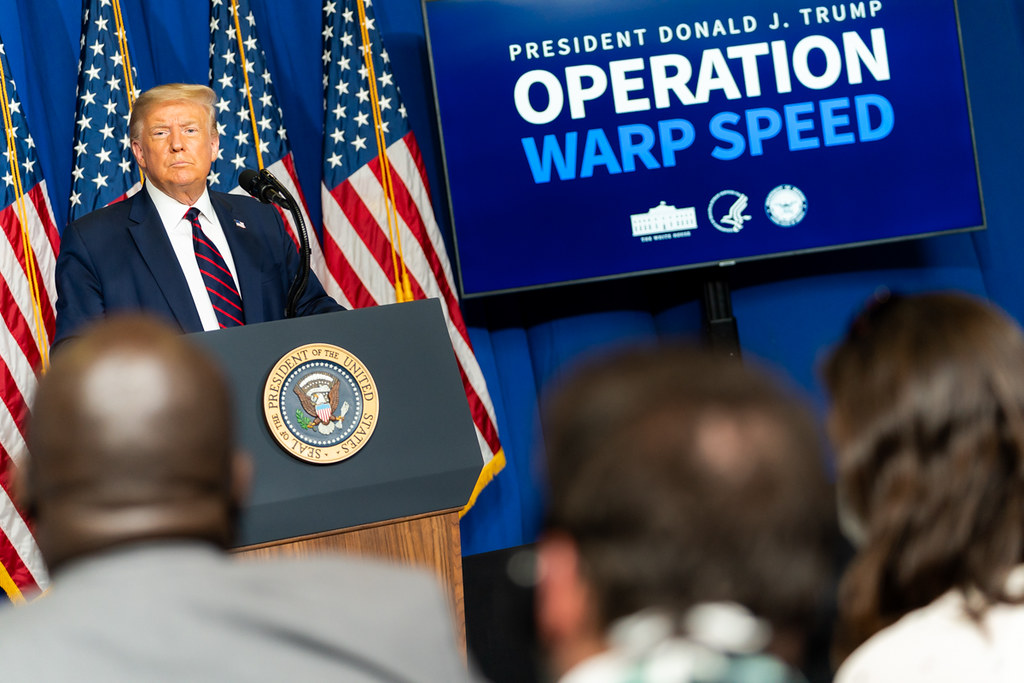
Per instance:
{"type": "Point", "coordinates": [371, 242]}
{"type": "Point", "coordinates": [104, 168]}
{"type": "Point", "coordinates": [26, 297]}
{"type": "Point", "coordinates": [249, 122]}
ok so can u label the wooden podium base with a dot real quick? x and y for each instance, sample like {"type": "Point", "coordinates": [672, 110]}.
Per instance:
{"type": "Point", "coordinates": [430, 540]}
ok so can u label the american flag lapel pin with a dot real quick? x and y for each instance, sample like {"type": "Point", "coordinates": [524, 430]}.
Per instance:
{"type": "Point", "coordinates": [240, 224]}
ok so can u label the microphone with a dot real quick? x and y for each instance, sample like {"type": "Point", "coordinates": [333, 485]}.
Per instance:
{"type": "Point", "coordinates": [269, 190]}
{"type": "Point", "coordinates": [264, 187]}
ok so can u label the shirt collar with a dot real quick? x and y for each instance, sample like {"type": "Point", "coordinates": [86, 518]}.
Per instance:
{"type": "Point", "coordinates": [171, 211]}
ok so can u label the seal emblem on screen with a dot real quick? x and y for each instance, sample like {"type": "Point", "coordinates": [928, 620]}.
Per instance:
{"type": "Point", "coordinates": [725, 211]}
{"type": "Point", "coordinates": [786, 205]}
{"type": "Point", "coordinates": [320, 403]}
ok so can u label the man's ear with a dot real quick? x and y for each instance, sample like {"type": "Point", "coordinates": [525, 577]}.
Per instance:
{"type": "Point", "coordinates": [137, 153]}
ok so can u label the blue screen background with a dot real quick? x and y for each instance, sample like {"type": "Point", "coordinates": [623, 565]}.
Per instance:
{"type": "Point", "coordinates": [919, 179]}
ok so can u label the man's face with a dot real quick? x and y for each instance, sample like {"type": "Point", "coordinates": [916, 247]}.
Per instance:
{"type": "Point", "coordinates": [175, 149]}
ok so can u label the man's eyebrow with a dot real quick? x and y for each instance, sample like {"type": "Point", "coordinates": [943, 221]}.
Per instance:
{"type": "Point", "coordinates": [167, 124]}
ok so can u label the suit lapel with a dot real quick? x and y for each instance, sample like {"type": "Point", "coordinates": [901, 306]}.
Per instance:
{"type": "Point", "coordinates": [151, 240]}
{"type": "Point", "coordinates": [245, 251]}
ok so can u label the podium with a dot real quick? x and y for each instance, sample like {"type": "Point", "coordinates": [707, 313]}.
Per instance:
{"type": "Point", "coordinates": [399, 496]}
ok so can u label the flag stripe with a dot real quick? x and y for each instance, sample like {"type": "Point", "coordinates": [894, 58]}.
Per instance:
{"type": "Point", "coordinates": [27, 305]}
{"type": "Point", "coordinates": [408, 163]}
{"type": "Point", "coordinates": [17, 347]}
{"type": "Point", "coordinates": [363, 192]}
{"type": "Point", "coordinates": [12, 262]}
{"type": "Point", "coordinates": [363, 202]}
{"type": "Point", "coordinates": [44, 234]}
{"type": "Point", "coordinates": [284, 170]}
{"type": "Point", "coordinates": [18, 553]}
{"type": "Point", "coordinates": [337, 231]}
{"type": "Point", "coordinates": [426, 256]}
{"type": "Point", "coordinates": [460, 342]}
{"type": "Point", "coordinates": [11, 562]}
{"type": "Point", "coordinates": [428, 271]}
{"type": "Point", "coordinates": [357, 239]}
{"type": "Point", "coordinates": [365, 241]}
{"type": "Point", "coordinates": [12, 439]}
{"type": "Point", "coordinates": [360, 194]}
{"type": "Point", "coordinates": [356, 293]}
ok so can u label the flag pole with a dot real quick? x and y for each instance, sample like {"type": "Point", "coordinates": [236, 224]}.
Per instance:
{"type": "Point", "coordinates": [126, 65]}
{"type": "Point", "coordinates": [248, 90]}
{"type": "Point", "coordinates": [403, 290]}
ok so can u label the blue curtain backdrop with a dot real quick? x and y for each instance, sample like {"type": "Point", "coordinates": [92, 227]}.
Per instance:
{"type": "Point", "coordinates": [788, 310]}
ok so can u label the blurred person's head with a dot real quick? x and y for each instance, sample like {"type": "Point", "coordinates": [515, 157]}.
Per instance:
{"type": "Point", "coordinates": [678, 478]}
{"type": "Point", "coordinates": [927, 403]}
{"type": "Point", "coordinates": [131, 439]}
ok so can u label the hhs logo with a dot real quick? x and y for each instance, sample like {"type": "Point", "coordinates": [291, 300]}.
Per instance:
{"type": "Point", "coordinates": [725, 211]}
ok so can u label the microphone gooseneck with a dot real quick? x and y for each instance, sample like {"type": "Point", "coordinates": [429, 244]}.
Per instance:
{"type": "Point", "coordinates": [265, 187]}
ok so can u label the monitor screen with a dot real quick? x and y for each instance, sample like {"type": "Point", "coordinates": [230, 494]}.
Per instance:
{"type": "Point", "coordinates": [597, 139]}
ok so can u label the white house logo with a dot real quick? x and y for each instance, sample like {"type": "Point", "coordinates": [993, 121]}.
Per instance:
{"type": "Point", "coordinates": [725, 211]}
{"type": "Point", "coordinates": [661, 220]}
{"type": "Point", "coordinates": [320, 403]}
{"type": "Point", "coordinates": [786, 205]}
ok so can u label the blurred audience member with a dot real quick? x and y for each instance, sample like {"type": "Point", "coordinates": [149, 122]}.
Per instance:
{"type": "Point", "coordinates": [690, 526]}
{"type": "Point", "coordinates": [928, 422]}
{"type": "Point", "coordinates": [134, 484]}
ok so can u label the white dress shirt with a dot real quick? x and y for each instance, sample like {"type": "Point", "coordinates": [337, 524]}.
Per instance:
{"type": "Point", "coordinates": [179, 231]}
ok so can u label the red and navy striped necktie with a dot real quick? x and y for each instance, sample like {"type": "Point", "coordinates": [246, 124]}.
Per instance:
{"type": "Point", "coordinates": [227, 302]}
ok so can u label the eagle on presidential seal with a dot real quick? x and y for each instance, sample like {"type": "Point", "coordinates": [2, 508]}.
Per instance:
{"type": "Point", "coordinates": [318, 392]}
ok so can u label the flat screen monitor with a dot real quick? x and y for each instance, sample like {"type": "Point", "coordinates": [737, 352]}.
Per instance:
{"type": "Point", "coordinates": [599, 139]}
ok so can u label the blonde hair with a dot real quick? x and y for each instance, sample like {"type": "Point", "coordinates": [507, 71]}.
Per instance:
{"type": "Point", "coordinates": [172, 92]}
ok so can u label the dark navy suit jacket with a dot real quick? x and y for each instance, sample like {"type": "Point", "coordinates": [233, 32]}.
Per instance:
{"type": "Point", "coordinates": [119, 259]}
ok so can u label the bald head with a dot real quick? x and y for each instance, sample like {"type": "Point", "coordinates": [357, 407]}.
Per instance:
{"type": "Point", "coordinates": [131, 439]}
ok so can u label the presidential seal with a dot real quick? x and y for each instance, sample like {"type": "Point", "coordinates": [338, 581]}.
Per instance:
{"type": "Point", "coordinates": [320, 403]}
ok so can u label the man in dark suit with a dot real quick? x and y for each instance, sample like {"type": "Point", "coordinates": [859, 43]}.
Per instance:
{"type": "Point", "coordinates": [133, 486]}
{"type": "Point", "coordinates": [140, 255]}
